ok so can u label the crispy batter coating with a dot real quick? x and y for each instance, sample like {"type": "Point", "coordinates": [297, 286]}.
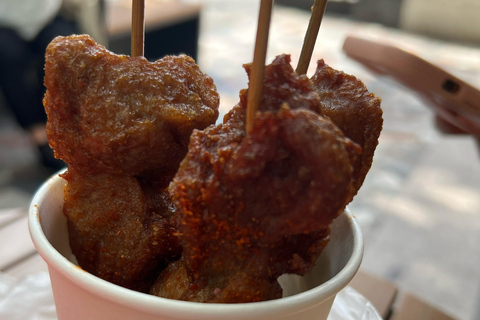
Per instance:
{"type": "Point", "coordinates": [175, 283]}
{"type": "Point", "coordinates": [295, 254]}
{"type": "Point", "coordinates": [123, 125]}
{"type": "Point", "coordinates": [120, 114]}
{"type": "Point", "coordinates": [254, 207]}
{"type": "Point", "coordinates": [356, 111]}
{"type": "Point", "coordinates": [244, 209]}
{"type": "Point", "coordinates": [281, 85]}
{"type": "Point", "coordinates": [115, 233]}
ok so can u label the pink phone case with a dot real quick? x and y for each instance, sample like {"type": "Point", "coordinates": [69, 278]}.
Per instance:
{"type": "Point", "coordinates": [453, 99]}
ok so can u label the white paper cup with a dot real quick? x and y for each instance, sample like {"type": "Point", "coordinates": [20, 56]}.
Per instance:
{"type": "Point", "coordinates": [80, 295]}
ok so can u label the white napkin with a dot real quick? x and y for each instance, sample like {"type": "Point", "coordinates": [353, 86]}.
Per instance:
{"type": "Point", "coordinates": [27, 298]}
{"type": "Point", "coordinates": [31, 298]}
{"type": "Point", "coordinates": [351, 305]}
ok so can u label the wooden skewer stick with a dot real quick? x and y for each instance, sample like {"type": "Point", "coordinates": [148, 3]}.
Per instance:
{"type": "Point", "coordinates": [138, 27]}
{"type": "Point", "coordinates": [311, 35]}
{"type": "Point", "coordinates": [258, 67]}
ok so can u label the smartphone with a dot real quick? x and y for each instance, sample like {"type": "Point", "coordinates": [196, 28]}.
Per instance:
{"type": "Point", "coordinates": [452, 99]}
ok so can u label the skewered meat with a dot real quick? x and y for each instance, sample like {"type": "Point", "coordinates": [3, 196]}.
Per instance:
{"type": "Point", "coordinates": [281, 85]}
{"type": "Point", "coordinates": [253, 207]}
{"type": "Point", "coordinates": [347, 102]}
{"type": "Point", "coordinates": [123, 125]}
{"type": "Point", "coordinates": [120, 114]}
{"type": "Point", "coordinates": [242, 203]}
{"type": "Point", "coordinates": [114, 233]}
{"type": "Point", "coordinates": [242, 209]}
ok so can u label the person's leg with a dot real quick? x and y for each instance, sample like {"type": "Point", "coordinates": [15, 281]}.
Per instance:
{"type": "Point", "coordinates": [18, 81]}
{"type": "Point", "coordinates": [58, 27]}
{"type": "Point", "coordinates": [23, 92]}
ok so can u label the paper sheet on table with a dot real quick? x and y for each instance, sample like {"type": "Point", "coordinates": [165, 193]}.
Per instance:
{"type": "Point", "coordinates": [31, 298]}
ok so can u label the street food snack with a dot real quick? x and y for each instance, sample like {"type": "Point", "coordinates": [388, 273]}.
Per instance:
{"type": "Point", "coordinates": [281, 85]}
{"type": "Point", "coordinates": [122, 124]}
{"type": "Point", "coordinates": [251, 207]}
{"type": "Point", "coordinates": [114, 233]}
{"type": "Point", "coordinates": [161, 200]}
{"type": "Point", "coordinates": [121, 114]}
{"type": "Point", "coordinates": [356, 111]}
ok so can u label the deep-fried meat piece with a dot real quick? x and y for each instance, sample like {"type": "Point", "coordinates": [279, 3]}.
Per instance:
{"type": "Point", "coordinates": [245, 203]}
{"type": "Point", "coordinates": [224, 160]}
{"type": "Point", "coordinates": [356, 111]}
{"type": "Point", "coordinates": [114, 232]}
{"type": "Point", "coordinates": [121, 114]}
{"type": "Point", "coordinates": [295, 254]}
{"type": "Point", "coordinates": [175, 283]}
{"type": "Point", "coordinates": [343, 98]}
{"type": "Point", "coordinates": [281, 85]}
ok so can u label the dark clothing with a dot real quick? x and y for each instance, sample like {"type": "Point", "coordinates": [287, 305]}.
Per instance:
{"type": "Point", "coordinates": [21, 70]}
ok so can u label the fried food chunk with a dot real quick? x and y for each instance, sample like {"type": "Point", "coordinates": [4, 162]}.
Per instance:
{"type": "Point", "coordinates": [281, 85]}
{"type": "Point", "coordinates": [343, 98]}
{"type": "Point", "coordinates": [356, 111]}
{"type": "Point", "coordinates": [119, 114]}
{"type": "Point", "coordinates": [253, 207]}
{"type": "Point", "coordinates": [115, 233]}
{"type": "Point", "coordinates": [244, 203]}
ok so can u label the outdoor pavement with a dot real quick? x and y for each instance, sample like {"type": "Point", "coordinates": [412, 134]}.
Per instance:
{"type": "Point", "coordinates": [419, 207]}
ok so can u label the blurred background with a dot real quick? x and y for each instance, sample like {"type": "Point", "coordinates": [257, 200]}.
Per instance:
{"type": "Point", "coordinates": [419, 207]}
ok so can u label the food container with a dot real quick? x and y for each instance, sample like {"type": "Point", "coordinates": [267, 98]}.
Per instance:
{"type": "Point", "coordinates": [80, 295]}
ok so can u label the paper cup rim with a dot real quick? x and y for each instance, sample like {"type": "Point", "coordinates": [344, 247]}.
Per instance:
{"type": "Point", "coordinates": [152, 304]}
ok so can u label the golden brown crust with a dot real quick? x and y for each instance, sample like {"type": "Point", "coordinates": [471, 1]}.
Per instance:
{"type": "Point", "coordinates": [253, 207]}
{"type": "Point", "coordinates": [356, 111]}
{"type": "Point", "coordinates": [120, 114]}
{"type": "Point", "coordinates": [123, 125]}
{"type": "Point", "coordinates": [114, 233]}
{"type": "Point", "coordinates": [249, 208]}
{"type": "Point", "coordinates": [281, 85]}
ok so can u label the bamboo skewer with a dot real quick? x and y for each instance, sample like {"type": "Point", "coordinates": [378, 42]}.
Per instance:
{"type": "Point", "coordinates": [138, 28]}
{"type": "Point", "coordinates": [311, 35]}
{"type": "Point", "coordinates": [258, 67]}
